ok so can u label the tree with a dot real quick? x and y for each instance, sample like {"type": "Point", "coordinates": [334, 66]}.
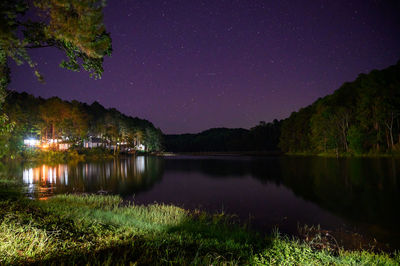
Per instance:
{"type": "Point", "coordinates": [5, 135]}
{"type": "Point", "coordinates": [53, 113]}
{"type": "Point", "coordinates": [264, 137]}
{"type": "Point", "coordinates": [75, 124]}
{"type": "Point", "coordinates": [152, 139]}
{"type": "Point", "coordinates": [73, 26]}
{"type": "Point", "coordinates": [323, 130]}
{"type": "Point", "coordinates": [295, 131]}
{"type": "Point", "coordinates": [356, 139]}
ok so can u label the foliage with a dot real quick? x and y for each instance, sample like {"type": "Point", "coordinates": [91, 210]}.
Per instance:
{"type": "Point", "coordinates": [361, 116]}
{"type": "Point", "coordinates": [72, 26]}
{"type": "Point", "coordinates": [5, 133]}
{"type": "Point", "coordinates": [295, 131]}
{"type": "Point", "coordinates": [355, 138]}
{"type": "Point", "coordinates": [5, 127]}
{"type": "Point", "coordinates": [52, 156]}
{"type": "Point", "coordinates": [285, 251]}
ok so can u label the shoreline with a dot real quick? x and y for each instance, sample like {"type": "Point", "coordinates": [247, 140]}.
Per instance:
{"type": "Point", "coordinates": [224, 153]}
{"type": "Point", "coordinates": [67, 156]}
{"type": "Point", "coordinates": [279, 154]}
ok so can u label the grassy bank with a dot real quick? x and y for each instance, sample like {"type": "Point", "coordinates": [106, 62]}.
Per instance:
{"type": "Point", "coordinates": [101, 229]}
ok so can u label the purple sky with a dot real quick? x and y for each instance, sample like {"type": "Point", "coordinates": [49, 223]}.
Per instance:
{"type": "Point", "coordinates": [189, 65]}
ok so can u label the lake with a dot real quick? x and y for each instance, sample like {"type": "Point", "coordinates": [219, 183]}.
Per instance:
{"type": "Point", "coordinates": [358, 195]}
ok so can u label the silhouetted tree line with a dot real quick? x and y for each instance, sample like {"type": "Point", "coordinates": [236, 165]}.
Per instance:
{"type": "Point", "coordinates": [263, 137]}
{"type": "Point", "coordinates": [72, 122]}
{"type": "Point", "coordinates": [361, 116]}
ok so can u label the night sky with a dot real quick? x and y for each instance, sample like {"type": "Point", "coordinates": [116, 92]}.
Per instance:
{"type": "Point", "coordinates": [190, 65]}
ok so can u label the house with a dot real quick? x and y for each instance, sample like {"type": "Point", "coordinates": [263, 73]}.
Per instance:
{"type": "Point", "coordinates": [32, 142]}
{"type": "Point", "coordinates": [93, 143]}
{"type": "Point", "coordinates": [63, 146]}
{"type": "Point", "coordinates": [44, 144]}
{"type": "Point", "coordinates": [140, 147]}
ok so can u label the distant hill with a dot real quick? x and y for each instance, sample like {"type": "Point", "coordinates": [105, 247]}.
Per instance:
{"type": "Point", "coordinates": [263, 137]}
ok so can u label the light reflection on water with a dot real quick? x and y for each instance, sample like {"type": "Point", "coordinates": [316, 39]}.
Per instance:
{"type": "Point", "coordinates": [118, 176]}
{"type": "Point", "coordinates": [44, 179]}
{"type": "Point", "coordinates": [46, 175]}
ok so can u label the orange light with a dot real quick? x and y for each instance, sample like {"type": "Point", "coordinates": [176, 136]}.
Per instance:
{"type": "Point", "coordinates": [43, 198]}
{"type": "Point", "coordinates": [44, 146]}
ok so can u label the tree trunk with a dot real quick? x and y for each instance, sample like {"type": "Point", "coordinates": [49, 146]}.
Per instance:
{"type": "Point", "coordinates": [391, 129]}
{"type": "Point", "coordinates": [376, 126]}
{"type": "Point", "coordinates": [389, 125]}
{"type": "Point", "coordinates": [53, 128]}
{"type": "Point", "coordinates": [346, 146]}
{"type": "Point", "coordinates": [391, 138]}
{"type": "Point", "coordinates": [387, 140]}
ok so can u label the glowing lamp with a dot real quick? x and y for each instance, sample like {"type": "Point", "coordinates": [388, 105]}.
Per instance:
{"type": "Point", "coordinates": [31, 142]}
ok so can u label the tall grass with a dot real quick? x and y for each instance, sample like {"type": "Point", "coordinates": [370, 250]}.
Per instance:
{"type": "Point", "coordinates": [91, 229]}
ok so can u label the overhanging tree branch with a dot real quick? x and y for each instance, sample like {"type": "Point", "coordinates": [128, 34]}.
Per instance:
{"type": "Point", "coordinates": [39, 46]}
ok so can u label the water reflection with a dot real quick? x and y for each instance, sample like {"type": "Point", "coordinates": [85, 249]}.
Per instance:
{"type": "Point", "coordinates": [125, 177]}
{"type": "Point", "coordinates": [44, 178]}
{"type": "Point", "coordinates": [361, 189]}
{"type": "Point", "coordinates": [361, 194]}
{"type": "Point", "coordinates": [46, 175]}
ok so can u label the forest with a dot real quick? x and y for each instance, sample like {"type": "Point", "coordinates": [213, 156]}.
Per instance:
{"type": "Point", "coordinates": [360, 117]}
{"type": "Point", "coordinates": [72, 122]}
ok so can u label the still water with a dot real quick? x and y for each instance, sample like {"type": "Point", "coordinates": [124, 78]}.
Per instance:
{"type": "Point", "coordinates": [356, 194]}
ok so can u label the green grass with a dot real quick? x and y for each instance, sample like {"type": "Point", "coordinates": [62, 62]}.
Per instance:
{"type": "Point", "coordinates": [94, 229]}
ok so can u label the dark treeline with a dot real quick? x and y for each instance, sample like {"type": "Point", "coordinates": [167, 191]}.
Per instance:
{"type": "Point", "coordinates": [263, 137]}
{"type": "Point", "coordinates": [72, 122]}
{"type": "Point", "coordinates": [362, 116]}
